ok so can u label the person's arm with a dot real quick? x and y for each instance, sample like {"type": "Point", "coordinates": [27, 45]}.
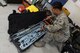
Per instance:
{"type": "Point", "coordinates": [59, 25]}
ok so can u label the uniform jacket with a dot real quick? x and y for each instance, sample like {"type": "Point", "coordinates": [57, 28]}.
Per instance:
{"type": "Point", "coordinates": [60, 28]}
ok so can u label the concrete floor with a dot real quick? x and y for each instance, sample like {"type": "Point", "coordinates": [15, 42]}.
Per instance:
{"type": "Point", "coordinates": [5, 45]}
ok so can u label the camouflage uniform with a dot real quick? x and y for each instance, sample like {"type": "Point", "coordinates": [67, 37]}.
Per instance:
{"type": "Point", "coordinates": [57, 33]}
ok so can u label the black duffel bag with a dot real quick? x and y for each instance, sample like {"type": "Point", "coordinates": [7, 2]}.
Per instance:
{"type": "Point", "coordinates": [18, 21]}
{"type": "Point", "coordinates": [14, 1]}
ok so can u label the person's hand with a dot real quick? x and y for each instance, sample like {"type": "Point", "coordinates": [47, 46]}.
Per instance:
{"type": "Point", "coordinates": [49, 17]}
{"type": "Point", "coordinates": [42, 28]}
